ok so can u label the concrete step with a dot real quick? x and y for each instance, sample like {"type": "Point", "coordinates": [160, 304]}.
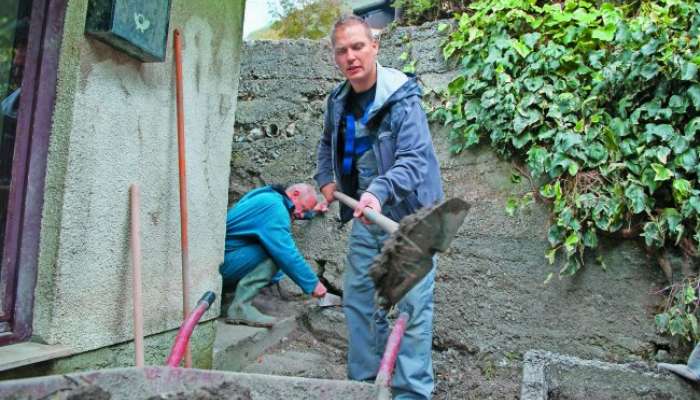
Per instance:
{"type": "Point", "coordinates": [236, 346]}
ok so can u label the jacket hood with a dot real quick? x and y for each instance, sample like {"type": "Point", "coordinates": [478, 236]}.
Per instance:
{"type": "Point", "coordinates": [392, 86]}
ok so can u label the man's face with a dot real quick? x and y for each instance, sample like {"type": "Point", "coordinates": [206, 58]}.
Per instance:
{"type": "Point", "coordinates": [356, 55]}
{"type": "Point", "coordinates": [303, 201]}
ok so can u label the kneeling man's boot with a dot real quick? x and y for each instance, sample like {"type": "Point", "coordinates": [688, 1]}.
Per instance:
{"type": "Point", "coordinates": [242, 311]}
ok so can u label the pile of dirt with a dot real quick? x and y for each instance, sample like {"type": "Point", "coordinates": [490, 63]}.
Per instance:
{"type": "Point", "coordinates": [224, 391]}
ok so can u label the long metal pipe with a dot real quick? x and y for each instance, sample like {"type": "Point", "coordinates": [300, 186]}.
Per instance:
{"type": "Point", "coordinates": [182, 165]}
{"type": "Point", "coordinates": [136, 273]}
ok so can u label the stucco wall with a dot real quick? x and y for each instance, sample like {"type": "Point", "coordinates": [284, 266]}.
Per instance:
{"type": "Point", "coordinates": [114, 125]}
{"type": "Point", "coordinates": [491, 304]}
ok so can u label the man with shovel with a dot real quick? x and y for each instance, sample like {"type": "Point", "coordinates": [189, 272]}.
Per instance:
{"type": "Point", "coordinates": [259, 242]}
{"type": "Point", "coordinates": [376, 145]}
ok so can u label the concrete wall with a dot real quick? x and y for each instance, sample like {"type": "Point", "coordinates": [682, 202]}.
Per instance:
{"type": "Point", "coordinates": [114, 125]}
{"type": "Point", "coordinates": [491, 304]}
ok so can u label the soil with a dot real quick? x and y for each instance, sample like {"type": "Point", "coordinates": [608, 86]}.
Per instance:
{"type": "Point", "coordinates": [224, 391]}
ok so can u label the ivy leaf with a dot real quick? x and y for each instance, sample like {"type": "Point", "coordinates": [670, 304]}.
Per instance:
{"type": "Point", "coordinates": [649, 71]}
{"type": "Point", "coordinates": [590, 238]}
{"type": "Point", "coordinates": [677, 327]}
{"type": "Point", "coordinates": [536, 158]}
{"type": "Point", "coordinates": [442, 27]}
{"type": "Point", "coordinates": [688, 71]}
{"type": "Point", "coordinates": [520, 47]}
{"type": "Point", "coordinates": [638, 199]}
{"type": "Point", "coordinates": [688, 160]}
{"type": "Point", "coordinates": [522, 140]}
{"type": "Point", "coordinates": [662, 321]}
{"type": "Point", "coordinates": [681, 190]}
{"type": "Point", "coordinates": [678, 104]}
{"type": "Point", "coordinates": [689, 295]}
{"type": "Point", "coordinates": [648, 179]}
{"type": "Point", "coordinates": [571, 242]}
{"type": "Point", "coordinates": [530, 39]}
{"type": "Point", "coordinates": [555, 234]}
{"type": "Point", "coordinates": [606, 34]}
{"type": "Point", "coordinates": [551, 191]}
{"type": "Point", "coordinates": [663, 131]}
{"type": "Point", "coordinates": [571, 266]}
{"type": "Point", "coordinates": [511, 206]}
{"type": "Point", "coordinates": [694, 203]}
{"type": "Point", "coordinates": [652, 234]}
{"type": "Point", "coordinates": [674, 221]}
{"type": "Point", "coordinates": [662, 154]}
{"type": "Point", "coordinates": [533, 84]}
{"type": "Point", "coordinates": [679, 144]}
{"type": "Point", "coordinates": [694, 94]}
{"type": "Point", "coordinates": [525, 119]}
{"type": "Point", "coordinates": [550, 256]}
{"type": "Point", "coordinates": [661, 173]}
{"type": "Point", "coordinates": [692, 127]}
{"type": "Point", "coordinates": [619, 126]}
{"type": "Point", "coordinates": [596, 153]}
{"type": "Point", "coordinates": [584, 17]}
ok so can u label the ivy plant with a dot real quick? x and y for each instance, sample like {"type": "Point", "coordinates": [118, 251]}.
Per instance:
{"type": "Point", "coordinates": [600, 102]}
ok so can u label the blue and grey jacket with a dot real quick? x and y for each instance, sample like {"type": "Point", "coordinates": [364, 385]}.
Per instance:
{"type": "Point", "coordinates": [409, 173]}
{"type": "Point", "coordinates": [258, 227]}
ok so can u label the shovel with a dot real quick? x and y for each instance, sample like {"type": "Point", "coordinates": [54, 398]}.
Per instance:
{"type": "Point", "coordinates": [407, 256]}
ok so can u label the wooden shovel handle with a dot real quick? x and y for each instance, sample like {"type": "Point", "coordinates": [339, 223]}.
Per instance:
{"type": "Point", "coordinates": [385, 223]}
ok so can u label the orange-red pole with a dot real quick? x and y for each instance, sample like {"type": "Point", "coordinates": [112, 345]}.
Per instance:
{"type": "Point", "coordinates": [184, 241]}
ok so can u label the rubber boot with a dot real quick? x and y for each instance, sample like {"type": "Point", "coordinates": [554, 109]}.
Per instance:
{"type": "Point", "coordinates": [691, 370]}
{"type": "Point", "coordinates": [242, 311]}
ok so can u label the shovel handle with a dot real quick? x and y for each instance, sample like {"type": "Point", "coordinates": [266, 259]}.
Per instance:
{"type": "Point", "coordinates": [385, 223]}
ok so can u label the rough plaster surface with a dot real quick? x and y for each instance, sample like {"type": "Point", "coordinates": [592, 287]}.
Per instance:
{"type": "Point", "coordinates": [114, 125]}
{"type": "Point", "coordinates": [490, 300]}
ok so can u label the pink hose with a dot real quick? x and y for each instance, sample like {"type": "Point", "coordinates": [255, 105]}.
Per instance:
{"type": "Point", "coordinates": [386, 366]}
{"type": "Point", "coordinates": [183, 335]}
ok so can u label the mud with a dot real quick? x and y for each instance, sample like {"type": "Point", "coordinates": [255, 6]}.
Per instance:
{"type": "Point", "coordinates": [407, 256]}
{"type": "Point", "coordinates": [224, 391]}
{"type": "Point", "coordinates": [83, 393]}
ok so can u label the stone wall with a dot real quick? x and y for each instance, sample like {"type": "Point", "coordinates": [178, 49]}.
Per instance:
{"type": "Point", "coordinates": [491, 303]}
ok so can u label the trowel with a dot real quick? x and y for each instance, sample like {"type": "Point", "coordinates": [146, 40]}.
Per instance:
{"type": "Point", "coordinates": [330, 300]}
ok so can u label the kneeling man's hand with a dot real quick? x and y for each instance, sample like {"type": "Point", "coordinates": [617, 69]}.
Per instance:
{"type": "Point", "coordinates": [319, 291]}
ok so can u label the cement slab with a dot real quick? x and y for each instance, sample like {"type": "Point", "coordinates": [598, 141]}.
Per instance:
{"type": "Point", "coordinates": [21, 354]}
{"type": "Point", "coordinates": [236, 346]}
{"type": "Point", "coordinates": [550, 376]}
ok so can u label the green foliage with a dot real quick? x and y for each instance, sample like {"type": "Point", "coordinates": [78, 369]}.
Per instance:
{"type": "Point", "coordinates": [6, 54]}
{"type": "Point", "coordinates": [680, 316]}
{"type": "Point", "coordinates": [418, 11]}
{"type": "Point", "coordinates": [297, 19]}
{"type": "Point", "coordinates": [601, 100]}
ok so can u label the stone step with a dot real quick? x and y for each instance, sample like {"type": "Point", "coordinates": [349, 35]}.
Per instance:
{"type": "Point", "coordinates": [236, 346]}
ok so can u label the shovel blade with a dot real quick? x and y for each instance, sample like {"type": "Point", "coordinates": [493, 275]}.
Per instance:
{"type": "Point", "coordinates": [330, 300]}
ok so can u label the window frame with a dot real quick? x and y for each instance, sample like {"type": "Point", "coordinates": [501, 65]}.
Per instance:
{"type": "Point", "coordinates": [26, 198]}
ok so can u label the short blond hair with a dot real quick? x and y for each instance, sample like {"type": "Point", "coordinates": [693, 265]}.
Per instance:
{"type": "Point", "coordinates": [351, 19]}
